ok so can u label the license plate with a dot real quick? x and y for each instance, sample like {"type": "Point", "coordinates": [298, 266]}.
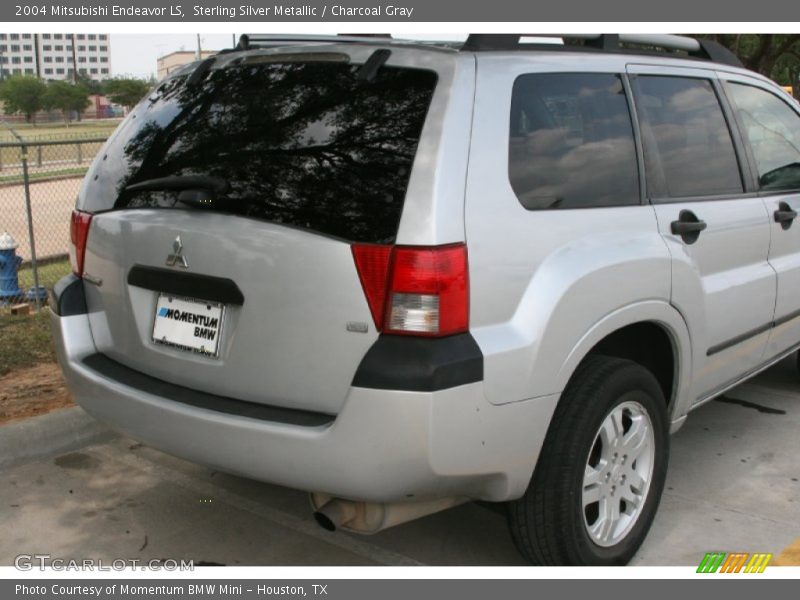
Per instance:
{"type": "Point", "coordinates": [192, 325]}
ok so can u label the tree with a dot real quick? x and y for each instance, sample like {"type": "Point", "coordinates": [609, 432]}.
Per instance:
{"type": "Point", "coordinates": [126, 91]}
{"type": "Point", "coordinates": [92, 85]}
{"type": "Point", "coordinates": [23, 94]}
{"type": "Point", "coordinates": [66, 97]}
{"type": "Point", "coordinates": [776, 56]}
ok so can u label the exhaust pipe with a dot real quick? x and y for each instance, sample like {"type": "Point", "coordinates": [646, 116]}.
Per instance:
{"type": "Point", "coordinates": [371, 517]}
{"type": "Point", "coordinates": [335, 513]}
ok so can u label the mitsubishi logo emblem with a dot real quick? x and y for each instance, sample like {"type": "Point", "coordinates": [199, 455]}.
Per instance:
{"type": "Point", "coordinates": [177, 258]}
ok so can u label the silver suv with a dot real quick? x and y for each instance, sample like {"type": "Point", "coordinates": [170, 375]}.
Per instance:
{"type": "Point", "coordinates": [402, 276]}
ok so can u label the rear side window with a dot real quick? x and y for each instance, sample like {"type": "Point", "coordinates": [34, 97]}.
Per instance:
{"type": "Point", "coordinates": [687, 143]}
{"type": "Point", "coordinates": [306, 144]}
{"type": "Point", "coordinates": [571, 143]}
{"type": "Point", "coordinates": [772, 129]}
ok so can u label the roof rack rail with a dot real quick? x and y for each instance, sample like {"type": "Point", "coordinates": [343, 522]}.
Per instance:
{"type": "Point", "coordinates": [597, 42]}
{"type": "Point", "coordinates": [248, 42]}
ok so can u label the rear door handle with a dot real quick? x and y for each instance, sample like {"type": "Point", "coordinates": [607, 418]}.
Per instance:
{"type": "Point", "coordinates": [688, 226]}
{"type": "Point", "coordinates": [785, 215]}
{"type": "Point", "coordinates": [683, 227]}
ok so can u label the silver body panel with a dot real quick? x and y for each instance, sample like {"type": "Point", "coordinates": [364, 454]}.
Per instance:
{"type": "Point", "coordinates": [384, 446]}
{"type": "Point", "coordinates": [289, 344]}
{"type": "Point", "coordinates": [784, 251]}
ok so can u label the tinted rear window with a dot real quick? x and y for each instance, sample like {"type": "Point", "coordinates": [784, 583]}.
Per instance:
{"type": "Point", "coordinates": [571, 143]}
{"type": "Point", "coordinates": [305, 144]}
{"type": "Point", "coordinates": [688, 148]}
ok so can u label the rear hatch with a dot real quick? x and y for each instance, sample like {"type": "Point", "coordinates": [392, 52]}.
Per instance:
{"type": "Point", "coordinates": [224, 210]}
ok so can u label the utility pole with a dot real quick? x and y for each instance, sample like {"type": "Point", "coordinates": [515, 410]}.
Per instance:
{"type": "Point", "coordinates": [199, 49]}
{"type": "Point", "coordinates": [37, 57]}
{"type": "Point", "coordinates": [74, 61]}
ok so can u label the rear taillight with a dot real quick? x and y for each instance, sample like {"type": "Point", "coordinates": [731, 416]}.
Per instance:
{"type": "Point", "coordinates": [78, 232]}
{"type": "Point", "coordinates": [415, 290]}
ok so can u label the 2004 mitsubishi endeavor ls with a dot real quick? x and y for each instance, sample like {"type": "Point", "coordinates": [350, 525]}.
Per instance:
{"type": "Point", "coordinates": [403, 275]}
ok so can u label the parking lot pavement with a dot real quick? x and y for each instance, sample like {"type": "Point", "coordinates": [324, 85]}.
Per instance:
{"type": "Point", "coordinates": [732, 486]}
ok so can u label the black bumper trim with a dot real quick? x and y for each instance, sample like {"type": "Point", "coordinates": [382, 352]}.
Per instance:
{"type": "Point", "coordinates": [417, 364]}
{"type": "Point", "coordinates": [67, 297]}
{"type": "Point", "coordinates": [189, 285]}
{"type": "Point", "coordinates": [115, 371]}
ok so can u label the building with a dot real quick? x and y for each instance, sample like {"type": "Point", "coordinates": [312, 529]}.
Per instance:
{"type": "Point", "coordinates": [174, 60]}
{"type": "Point", "coordinates": [55, 55]}
{"type": "Point", "coordinates": [101, 108]}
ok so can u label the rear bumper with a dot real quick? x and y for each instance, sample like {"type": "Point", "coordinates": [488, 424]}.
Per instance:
{"type": "Point", "coordinates": [383, 446]}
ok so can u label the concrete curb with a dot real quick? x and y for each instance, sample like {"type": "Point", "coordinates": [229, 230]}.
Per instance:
{"type": "Point", "coordinates": [54, 433]}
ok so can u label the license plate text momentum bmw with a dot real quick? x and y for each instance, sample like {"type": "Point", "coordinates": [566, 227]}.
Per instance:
{"type": "Point", "coordinates": [186, 324]}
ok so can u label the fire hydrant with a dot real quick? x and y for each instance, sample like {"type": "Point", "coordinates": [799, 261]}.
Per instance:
{"type": "Point", "coordinates": [9, 266]}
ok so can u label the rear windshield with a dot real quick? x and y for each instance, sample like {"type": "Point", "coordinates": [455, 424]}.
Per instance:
{"type": "Point", "coordinates": [305, 144]}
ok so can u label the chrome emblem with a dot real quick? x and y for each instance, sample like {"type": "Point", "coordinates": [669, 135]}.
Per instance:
{"type": "Point", "coordinates": [177, 258]}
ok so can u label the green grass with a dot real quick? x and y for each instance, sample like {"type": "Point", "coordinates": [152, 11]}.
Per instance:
{"type": "Point", "coordinates": [49, 274]}
{"type": "Point", "coordinates": [40, 175]}
{"type": "Point", "coordinates": [27, 341]}
{"type": "Point", "coordinates": [59, 130]}
{"type": "Point", "coordinates": [10, 157]}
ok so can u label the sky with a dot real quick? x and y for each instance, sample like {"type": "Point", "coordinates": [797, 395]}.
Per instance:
{"type": "Point", "coordinates": [136, 54]}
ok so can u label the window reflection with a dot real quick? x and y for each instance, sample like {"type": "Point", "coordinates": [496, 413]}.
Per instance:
{"type": "Point", "coordinates": [303, 144]}
{"type": "Point", "coordinates": [773, 131]}
{"type": "Point", "coordinates": [687, 143]}
{"type": "Point", "coordinates": [572, 142]}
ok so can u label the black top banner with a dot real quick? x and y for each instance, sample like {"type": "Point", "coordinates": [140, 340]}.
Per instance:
{"type": "Point", "coordinates": [309, 11]}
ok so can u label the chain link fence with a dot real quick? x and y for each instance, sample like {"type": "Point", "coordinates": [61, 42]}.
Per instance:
{"type": "Point", "coordinates": [39, 181]}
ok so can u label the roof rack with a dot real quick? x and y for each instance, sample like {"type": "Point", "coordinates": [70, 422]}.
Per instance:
{"type": "Point", "coordinates": [596, 42]}
{"type": "Point", "coordinates": [249, 42]}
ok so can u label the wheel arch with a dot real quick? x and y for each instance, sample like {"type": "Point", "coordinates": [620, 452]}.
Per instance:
{"type": "Point", "coordinates": [653, 334]}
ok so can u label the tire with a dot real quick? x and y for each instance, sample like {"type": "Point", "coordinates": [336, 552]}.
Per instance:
{"type": "Point", "coordinates": [557, 521]}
